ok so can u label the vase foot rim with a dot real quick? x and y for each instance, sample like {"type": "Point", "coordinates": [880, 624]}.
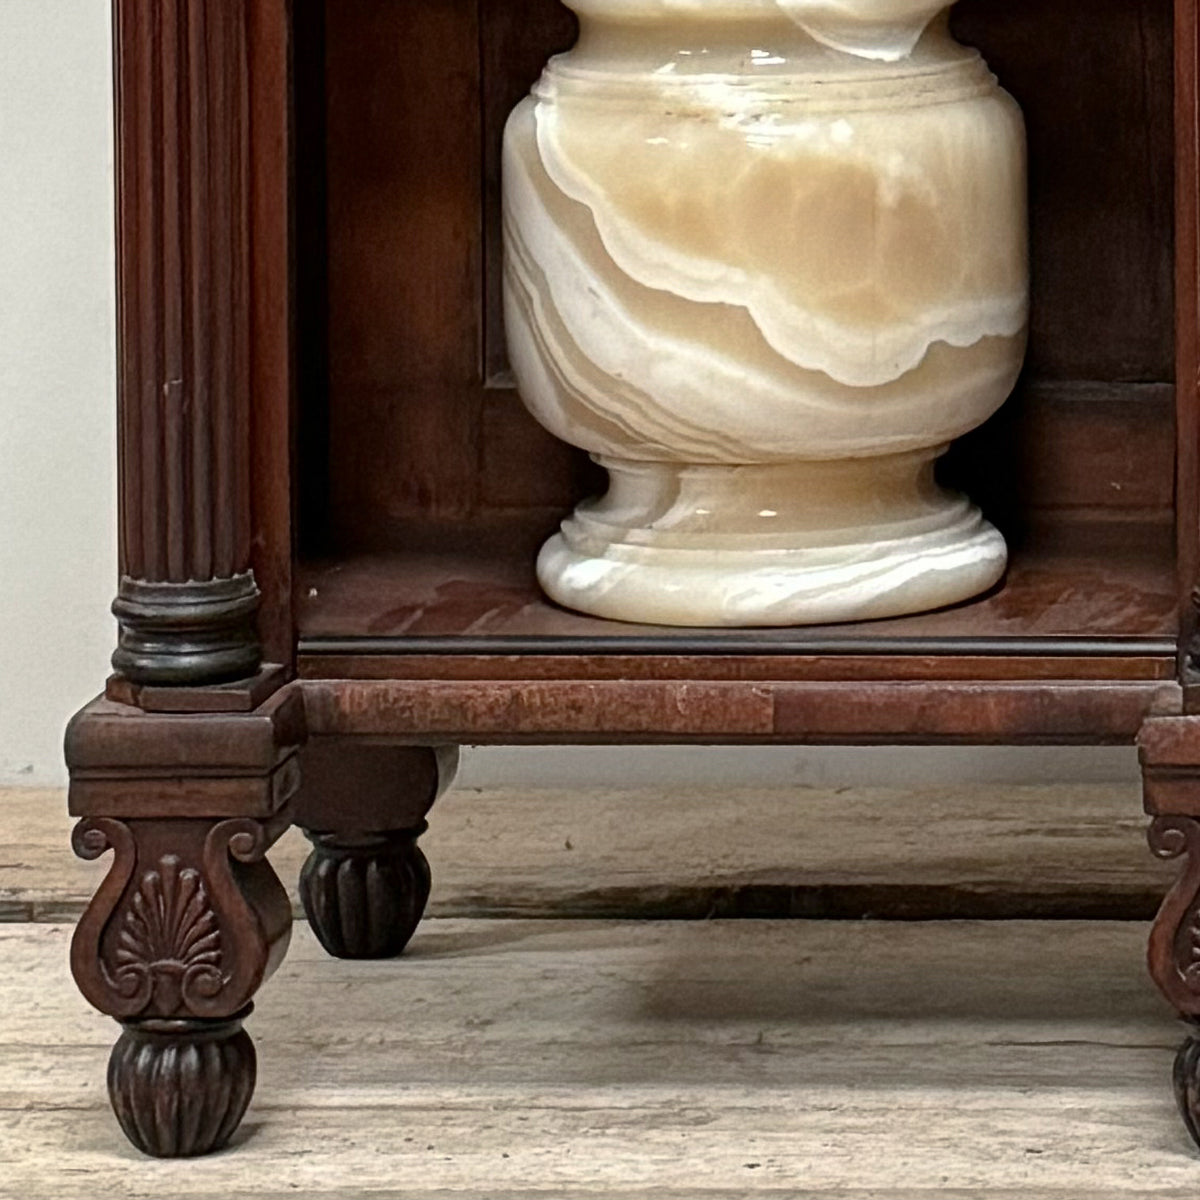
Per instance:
{"type": "Point", "coordinates": [867, 578]}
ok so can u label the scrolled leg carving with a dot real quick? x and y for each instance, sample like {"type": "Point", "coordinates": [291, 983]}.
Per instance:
{"type": "Point", "coordinates": [1175, 953]}
{"type": "Point", "coordinates": [1175, 939]}
{"type": "Point", "coordinates": [186, 926]}
{"type": "Point", "coordinates": [365, 895]}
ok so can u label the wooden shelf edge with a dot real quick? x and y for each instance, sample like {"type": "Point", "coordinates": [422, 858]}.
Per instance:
{"type": "Point", "coordinates": [715, 642]}
{"type": "Point", "coordinates": [828, 668]}
{"type": "Point", "coordinates": [747, 712]}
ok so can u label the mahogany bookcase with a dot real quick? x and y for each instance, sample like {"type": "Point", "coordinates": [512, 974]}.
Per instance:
{"type": "Point", "coordinates": [331, 498]}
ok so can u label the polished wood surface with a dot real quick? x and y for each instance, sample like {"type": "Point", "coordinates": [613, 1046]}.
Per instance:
{"type": "Point", "coordinates": [190, 919]}
{"type": "Point", "coordinates": [184, 281]}
{"type": "Point", "coordinates": [146, 765]}
{"type": "Point", "coordinates": [204, 285]}
{"type": "Point", "coordinates": [416, 416]}
{"type": "Point", "coordinates": [404, 257]}
{"type": "Point", "coordinates": [1187, 326]}
{"type": "Point", "coordinates": [187, 600]}
{"type": "Point", "coordinates": [709, 712]}
{"type": "Point", "coordinates": [240, 695]}
{"type": "Point", "coordinates": [468, 588]}
{"type": "Point", "coordinates": [275, 246]}
{"type": "Point", "coordinates": [948, 662]}
{"type": "Point", "coordinates": [366, 882]}
{"type": "Point", "coordinates": [1097, 95]}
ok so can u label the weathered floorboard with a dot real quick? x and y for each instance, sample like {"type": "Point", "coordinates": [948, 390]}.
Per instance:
{"type": "Point", "coordinates": [995, 851]}
{"type": "Point", "coordinates": [585, 1059]}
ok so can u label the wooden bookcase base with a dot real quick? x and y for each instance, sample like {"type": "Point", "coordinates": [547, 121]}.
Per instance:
{"type": "Point", "coordinates": [191, 920]}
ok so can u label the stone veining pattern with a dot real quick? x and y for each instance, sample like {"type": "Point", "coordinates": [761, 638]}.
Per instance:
{"type": "Point", "coordinates": [766, 260]}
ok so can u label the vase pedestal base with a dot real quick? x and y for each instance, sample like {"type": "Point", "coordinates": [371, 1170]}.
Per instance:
{"type": "Point", "coordinates": [771, 545]}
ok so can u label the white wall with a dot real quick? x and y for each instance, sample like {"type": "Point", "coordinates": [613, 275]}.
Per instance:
{"type": "Point", "coordinates": [57, 439]}
{"type": "Point", "coordinates": [57, 422]}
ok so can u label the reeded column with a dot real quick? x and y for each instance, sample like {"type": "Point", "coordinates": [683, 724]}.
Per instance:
{"type": "Point", "coordinates": [188, 598]}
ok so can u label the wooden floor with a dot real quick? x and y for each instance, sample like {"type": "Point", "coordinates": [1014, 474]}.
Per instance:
{"type": "Point", "coordinates": [656, 1060]}
{"type": "Point", "coordinates": [982, 851]}
{"type": "Point", "coordinates": [646, 1060]}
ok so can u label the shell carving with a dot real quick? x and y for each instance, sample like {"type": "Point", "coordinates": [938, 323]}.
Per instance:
{"type": "Point", "coordinates": [170, 938]}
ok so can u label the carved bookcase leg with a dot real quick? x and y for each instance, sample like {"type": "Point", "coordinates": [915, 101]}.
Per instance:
{"type": "Point", "coordinates": [1170, 753]}
{"type": "Point", "coordinates": [191, 919]}
{"type": "Point", "coordinates": [366, 883]}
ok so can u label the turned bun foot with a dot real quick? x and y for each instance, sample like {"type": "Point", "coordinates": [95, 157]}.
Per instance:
{"type": "Point", "coordinates": [365, 894]}
{"type": "Point", "coordinates": [1187, 1083]}
{"type": "Point", "coordinates": [181, 1088]}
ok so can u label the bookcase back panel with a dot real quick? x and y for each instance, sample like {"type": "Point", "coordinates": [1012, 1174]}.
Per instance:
{"type": "Point", "coordinates": [406, 406]}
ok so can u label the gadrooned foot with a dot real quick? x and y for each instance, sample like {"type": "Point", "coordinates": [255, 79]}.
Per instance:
{"type": "Point", "coordinates": [180, 1088]}
{"type": "Point", "coordinates": [1187, 1082]}
{"type": "Point", "coordinates": [365, 894]}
